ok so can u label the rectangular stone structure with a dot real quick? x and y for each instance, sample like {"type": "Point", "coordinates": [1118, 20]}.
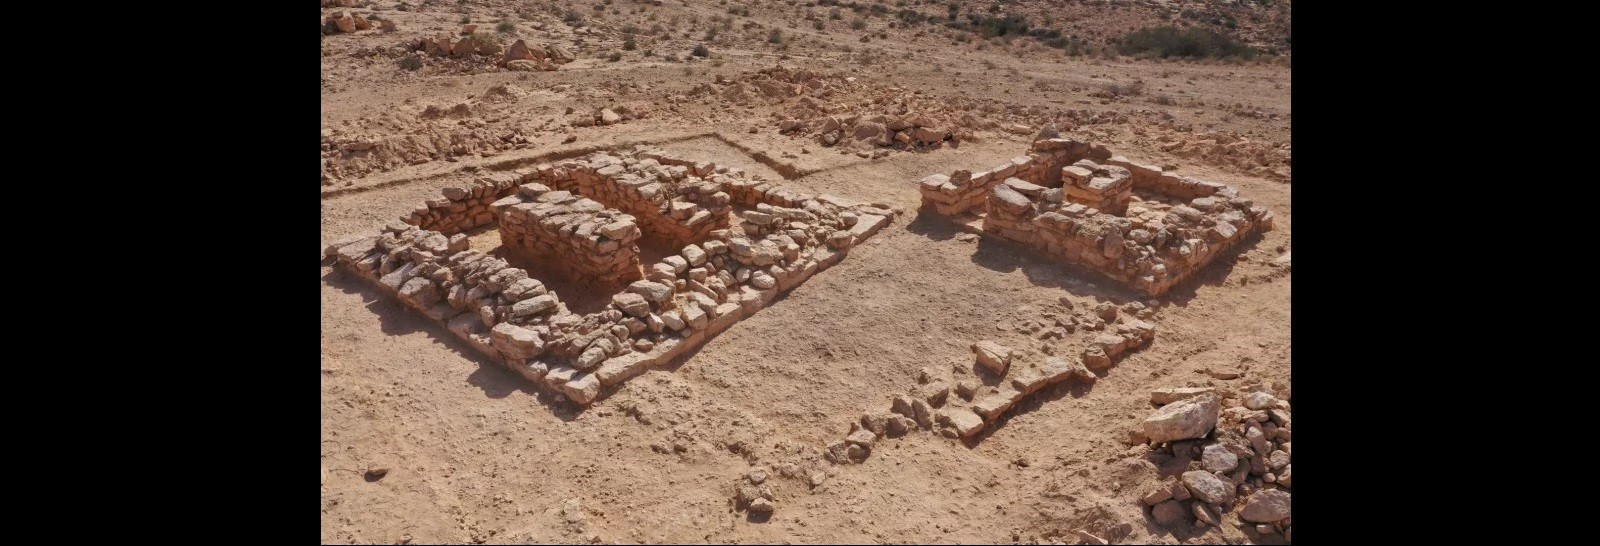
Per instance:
{"type": "Point", "coordinates": [587, 215]}
{"type": "Point", "coordinates": [1077, 202]}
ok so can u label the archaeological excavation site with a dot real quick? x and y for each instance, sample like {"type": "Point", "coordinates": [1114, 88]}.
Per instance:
{"type": "Point", "coordinates": [827, 272]}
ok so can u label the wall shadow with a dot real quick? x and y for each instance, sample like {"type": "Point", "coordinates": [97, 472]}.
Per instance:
{"type": "Point", "coordinates": [395, 318]}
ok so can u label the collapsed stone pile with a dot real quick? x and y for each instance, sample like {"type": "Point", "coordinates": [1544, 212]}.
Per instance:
{"type": "Point", "coordinates": [343, 22]}
{"type": "Point", "coordinates": [754, 493]}
{"type": "Point", "coordinates": [775, 85]}
{"type": "Point", "coordinates": [1050, 200]}
{"type": "Point", "coordinates": [682, 300]}
{"type": "Point", "coordinates": [543, 58]}
{"type": "Point", "coordinates": [605, 116]}
{"type": "Point", "coordinates": [519, 56]}
{"type": "Point", "coordinates": [1237, 459]}
{"type": "Point", "coordinates": [876, 130]}
{"type": "Point", "coordinates": [1266, 159]}
{"type": "Point", "coordinates": [438, 131]}
{"type": "Point", "coordinates": [974, 406]}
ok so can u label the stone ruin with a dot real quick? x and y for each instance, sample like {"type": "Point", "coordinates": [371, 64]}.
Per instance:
{"type": "Point", "coordinates": [518, 56]}
{"type": "Point", "coordinates": [1073, 200]}
{"type": "Point", "coordinates": [743, 240]}
{"type": "Point", "coordinates": [964, 404]}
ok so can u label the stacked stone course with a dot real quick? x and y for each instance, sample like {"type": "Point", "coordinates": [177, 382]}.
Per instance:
{"type": "Point", "coordinates": [680, 302]}
{"type": "Point", "coordinates": [577, 236]}
{"type": "Point", "coordinates": [1075, 201]}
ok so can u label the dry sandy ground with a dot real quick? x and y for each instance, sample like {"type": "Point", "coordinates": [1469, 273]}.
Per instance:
{"type": "Point", "coordinates": [478, 455]}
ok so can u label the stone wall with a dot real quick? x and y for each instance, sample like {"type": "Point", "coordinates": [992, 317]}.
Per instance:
{"type": "Point", "coordinates": [464, 208]}
{"type": "Point", "coordinates": [683, 300]}
{"type": "Point", "coordinates": [672, 203]}
{"type": "Point", "coordinates": [471, 293]}
{"type": "Point", "coordinates": [577, 236]}
{"type": "Point", "coordinates": [1051, 201]}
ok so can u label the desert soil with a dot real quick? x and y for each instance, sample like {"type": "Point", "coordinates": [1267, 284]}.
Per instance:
{"type": "Point", "coordinates": [478, 454]}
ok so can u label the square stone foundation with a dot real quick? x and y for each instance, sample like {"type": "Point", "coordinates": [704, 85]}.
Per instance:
{"type": "Point", "coordinates": [585, 217]}
{"type": "Point", "coordinates": [1075, 201]}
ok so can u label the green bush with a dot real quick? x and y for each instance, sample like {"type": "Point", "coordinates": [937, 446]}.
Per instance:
{"type": "Point", "coordinates": [505, 26]}
{"type": "Point", "coordinates": [1192, 43]}
{"type": "Point", "coordinates": [628, 44]}
{"type": "Point", "coordinates": [990, 27]}
{"type": "Point", "coordinates": [700, 50]}
{"type": "Point", "coordinates": [858, 24]}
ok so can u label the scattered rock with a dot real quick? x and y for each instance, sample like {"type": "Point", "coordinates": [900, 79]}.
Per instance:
{"type": "Point", "coordinates": [1217, 458]}
{"type": "Point", "coordinates": [1160, 494]}
{"type": "Point", "coordinates": [1208, 487]}
{"type": "Point", "coordinates": [1162, 397]}
{"type": "Point", "coordinates": [963, 420]}
{"type": "Point", "coordinates": [761, 505]}
{"type": "Point", "coordinates": [994, 356]}
{"type": "Point", "coordinates": [922, 412]}
{"type": "Point", "coordinates": [1278, 460]}
{"type": "Point", "coordinates": [376, 473]}
{"type": "Point", "coordinates": [1266, 506]}
{"type": "Point", "coordinates": [1192, 418]}
{"type": "Point", "coordinates": [1203, 513]}
{"type": "Point", "coordinates": [1170, 514]}
{"type": "Point", "coordinates": [1223, 374]}
{"type": "Point", "coordinates": [1259, 401]}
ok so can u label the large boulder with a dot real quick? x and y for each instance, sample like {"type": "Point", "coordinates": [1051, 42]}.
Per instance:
{"type": "Point", "coordinates": [343, 21]}
{"type": "Point", "coordinates": [518, 51]}
{"type": "Point", "coordinates": [558, 54]}
{"type": "Point", "coordinates": [870, 131]}
{"type": "Point", "coordinates": [928, 135]}
{"type": "Point", "coordinates": [1183, 420]}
